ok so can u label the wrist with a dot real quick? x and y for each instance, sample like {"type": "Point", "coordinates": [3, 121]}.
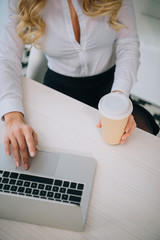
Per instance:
{"type": "Point", "coordinates": [10, 117]}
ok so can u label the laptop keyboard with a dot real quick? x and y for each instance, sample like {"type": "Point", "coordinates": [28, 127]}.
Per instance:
{"type": "Point", "coordinates": [41, 187]}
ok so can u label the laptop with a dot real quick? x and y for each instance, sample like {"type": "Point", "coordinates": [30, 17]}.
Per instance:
{"type": "Point", "coordinates": [54, 192]}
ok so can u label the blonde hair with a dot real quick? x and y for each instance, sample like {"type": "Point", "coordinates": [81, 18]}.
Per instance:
{"type": "Point", "coordinates": [31, 26]}
{"type": "Point", "coordinates": [94, 8]}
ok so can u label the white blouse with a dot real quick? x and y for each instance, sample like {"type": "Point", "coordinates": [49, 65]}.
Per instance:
{"type": "Point", "coordinates": [100, 48]}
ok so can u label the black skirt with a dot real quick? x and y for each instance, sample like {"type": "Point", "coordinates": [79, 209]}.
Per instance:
{"type": "Point", "coordinates": [89, 90]}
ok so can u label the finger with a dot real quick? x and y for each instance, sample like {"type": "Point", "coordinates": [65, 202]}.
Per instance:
{"type": "Point", "coordinates": [129, 132]}
{"type": "Point", "coordinates": [35, 136]}
{"type": "Point", "coordinates": [126, 135]}
{"type": "Point", "coordinates": [99, 125]}
{"type": "Point", "coordinates": [30, 142]}
{"type": "Point", "coordinates": [129, 123]}
{"type": "Point", "coordinates": [6, 145]}
{"type": "Point", "coordinates": [23, 151]}
{"type": "Point", "coordinates": [24, 159]}
{"type": "Point", "coordinates": [15, 151]}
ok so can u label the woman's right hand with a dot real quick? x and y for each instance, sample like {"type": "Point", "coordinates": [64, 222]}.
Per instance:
{"type": "Point", "coordinates": [23, 139]}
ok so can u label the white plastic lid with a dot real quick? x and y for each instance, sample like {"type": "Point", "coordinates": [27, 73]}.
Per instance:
{"type": "Point", "coordinates": [115, 106]}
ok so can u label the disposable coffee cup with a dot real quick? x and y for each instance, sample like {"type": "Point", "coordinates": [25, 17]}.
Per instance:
{"type": "Point", "coordinates": [115, 108]}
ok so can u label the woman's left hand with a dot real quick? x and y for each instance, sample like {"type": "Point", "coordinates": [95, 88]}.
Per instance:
{"type": "Point", "coordinates": [131, 125]}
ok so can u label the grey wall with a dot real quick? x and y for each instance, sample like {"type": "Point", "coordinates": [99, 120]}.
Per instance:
{"type": "Point", "coordinates": [3, 7]}
{"type": "Point", "coordinates": [148, 24]}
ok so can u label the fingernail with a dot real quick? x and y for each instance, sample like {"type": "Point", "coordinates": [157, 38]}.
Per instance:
{"type": "Point", "coordinates": [26, 166]}
{"type": "Point", "coordinates": [32, 154]}
{"type": "Point", "coordinates": [124, 137]}
{"type": "Point", "coordinates": [17, 164]}
{"type": "Point", "coordinates": [8, 153]}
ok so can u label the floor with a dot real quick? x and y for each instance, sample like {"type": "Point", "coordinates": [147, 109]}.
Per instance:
{"type": "Point", "coordinates": [153, 109]}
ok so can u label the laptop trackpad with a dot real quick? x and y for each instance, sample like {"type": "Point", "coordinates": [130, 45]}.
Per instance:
{"type": "Point", "coordinates": [44, 163]}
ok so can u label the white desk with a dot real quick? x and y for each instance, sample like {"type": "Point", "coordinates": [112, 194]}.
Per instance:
{"type": "Point", "coordinates": [125, 201]}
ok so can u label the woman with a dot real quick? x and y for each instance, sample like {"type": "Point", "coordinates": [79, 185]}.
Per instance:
{"type": "Point", "coordinates": [82, 41]}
